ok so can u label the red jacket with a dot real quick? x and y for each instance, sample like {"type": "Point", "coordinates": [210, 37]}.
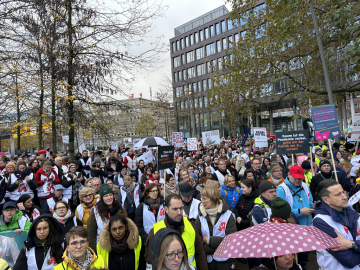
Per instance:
{"type": "Point", "coordinates": [126, 160]}
{"type": "Point", "coordinates": [40, 183]}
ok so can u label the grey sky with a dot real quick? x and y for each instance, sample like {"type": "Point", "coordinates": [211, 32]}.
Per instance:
{"type": "Point", "coordinates": [178, 13]}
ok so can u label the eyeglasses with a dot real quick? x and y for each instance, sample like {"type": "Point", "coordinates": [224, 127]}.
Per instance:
{"type": "Point", "coordinates": [87, 196]}
{"type": "Point", "coordinates": [172, 256]}
{"type": "Point", "coordinates": [60, 208]}
{"type": "Point", "coordinates": [256, 163]}
{"type": "Point", "coordinates": [75, 243]}
{"type": "Point", "coordinates": [98, 185]}
{"type": "Point", "coordinates": [154, 191]}
{"type": "Point", "coordinates": [278, 171]}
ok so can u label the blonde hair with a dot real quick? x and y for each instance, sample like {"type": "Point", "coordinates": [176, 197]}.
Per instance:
{"type": "Point", "coordinates": [85, 191]}
{"type": "Point", "coordinates": [212, 193]}
{"type": "Point", "coordinates": [213, 183]}
{"type": "Point", "coordinates": [127, 178]}
{"type": "Point", "coordinates": [226, 179]}
{"type": "Point", "coordinates": [345, 164]}
{"type": "Point", "coordinates": [164, 247]}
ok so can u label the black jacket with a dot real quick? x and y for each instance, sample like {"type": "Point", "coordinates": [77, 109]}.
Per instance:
{"type": "Point", "coordinates": [69, 223]}
{"type": "Point", "coordinates": [243, 207]}
{"type": "Point", "coordinates": [3, 187]}
{"type": "Point", "coordinates": [33, 241]}
{"type": "Point", "coordinates": [315, 181]}
{"type": "Point", "coordinates": [139, 217]}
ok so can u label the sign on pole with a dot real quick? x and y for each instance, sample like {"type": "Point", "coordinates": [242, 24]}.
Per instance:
{"type": "Point", "coordinates": [192, 144]}
{"type": "Point", "coordinates": [114, 145]}
{"type": "Point", "coordinates": [211, 137]}
{"type": "Point", "coordinates": [177, 139]}
{"type": "Point", "coordinates": [355, 133]}
{"type": "Point", "coordinates": [260, 137]}
{"type": "Point", "coordinates": [65, 139]}
{"type": "Point", "coordinates": [165, 157]}
{"type": "Point", "coordinates": [146, 157]}
{"type": "Point", "coordinates": [291, 142]}
{"type": "Point", "coordinates": [326, 122]}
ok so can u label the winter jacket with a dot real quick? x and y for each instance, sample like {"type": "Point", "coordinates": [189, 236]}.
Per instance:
{"type": "Point", "coordinates": [129, 203]}
{"type": "Point", "coordinates": [69, 223]}
{"type": "Point", "coordinates": [348, 258]}
{"type": "Point", "coordinates": [46, 206]}
{"type": "Point", "coordinates": [41, 183]}
{"type": "Point", "coordinates": [3, 186]}
{"type": "Point", "coordinates": [92, 225]}
{"type": "Point", "coordinates": [315, 181]}
{"type": "Point", "coordinates": [102, 173]}
{"type": "Point", "coordinates": [31, 215]}
{"type": "Point", "coordinates": [200, 257]}
{"type": "Point", "coordinates": [258, 213]}
{"type": "Point", "coordinates": [31, 242]}
{"type": "Point", "coordinates": [97, 262]}
{"type": "Point", "coordinates": [343, 175]}
{"type": "Point", "coordinates": [231, 194]}
{"type": "Point", "coordinates": [243, 207]}
{"type": "Point", "coordinates": [86, 211]}
{"type": "Point", "coordinates": [214, 241]}
{"type": "Point", "coordinates": [298, 203]}
{"type": "Point", "coordinates": [132, 257]}
{"type": "Point", "coordinates": [139, 217]}
{"type": "Point", "coordinates": [18, 222]}
{"type": "Point", "coordinates": [32, 183]}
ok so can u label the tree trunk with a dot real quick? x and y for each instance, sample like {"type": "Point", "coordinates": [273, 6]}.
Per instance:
{"type": "Point", "coordinates": [53, 108]}
{"type": "Point", "coordinates": [41, 101]}
{"type": "Point", "coordinates": [18, 116]}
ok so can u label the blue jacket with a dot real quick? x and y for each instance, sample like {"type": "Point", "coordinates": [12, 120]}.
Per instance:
{"type": "Point", "coordinates": [257, 213]}
{"type": "Point", "coordinates": [232, 194]}
{"type": "Point", "coordinates": [297, 204]}
{"type": "Point", "coordinates": [348, 258]}
{"type": "Point", "coordinates": [343, 176]}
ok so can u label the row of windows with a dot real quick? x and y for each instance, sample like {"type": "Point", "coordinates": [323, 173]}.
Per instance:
{"type": "Point", "coordinates": [210, 49]}
{"type": "Point", "coordinates": [201, 102]}
{"type": "Point", "coordinates": [194, 87]}
{"type": "Point", "coordinates": [202, 119]}
{"type": "Point", "coordinates": [210, 31]}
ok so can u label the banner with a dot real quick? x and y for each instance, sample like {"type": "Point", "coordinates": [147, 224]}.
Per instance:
{"type": "Point", "coordinates": [165, 157]}
{"type": "Point", "coordinates": [65, 139]}
{"type": "Point", "coordinates": [292, 142]}
{"type": "Point", "coordinates": [192, 144]}
{"type": "Point", "coordinates": [146, 157]}
{"type": "Point", "coordinates": [211, 137]}
{"type": "Point", "coordinates": [19, 238]}
{"type": "Point", "coordinates": [177, 139]}
{"type": "Point", "coordinates": [326, 122]}
{"type": "Point", "coordinates": [114, 145]}
{"type": "Point", "coordinates": [260, 137]}
{"type": "Point", "coordinates": [355, 133]}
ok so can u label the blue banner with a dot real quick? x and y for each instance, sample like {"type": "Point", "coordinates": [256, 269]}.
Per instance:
{"type": "Point", "coordinates": [326, 123]}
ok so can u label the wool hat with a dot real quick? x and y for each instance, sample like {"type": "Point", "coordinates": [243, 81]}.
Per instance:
{"type": "Point", "coordinates": [280, 208]}
{"type": "Point", "coordinates": [105, 189]}
{"type": "Point", "coordinates": [289, 162]}
{"type": "Point", "coordinates": [23, 198]}
{"type": "Point", "coordinates": [266, 185]}
{"type": "Point", "coordinates": [96, 160]}
{"type": "Point", "coordinates": [348, 146]}
{"type": "Point", "coordinates": [188, 162]}
{"type": "Point", "coordinates": [317, 149]}
{"type": "Point", "coordinates": [323, 162]}
{"type": "Point", "coordinates": [71, 164]}
{"type": "Point", "coordinates": [275, 166]}
{"type": "Point", "coordinates": [306, 165]}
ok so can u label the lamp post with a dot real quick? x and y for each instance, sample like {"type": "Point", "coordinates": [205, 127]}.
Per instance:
{"type": "Point", "coordinates": [191, 113]}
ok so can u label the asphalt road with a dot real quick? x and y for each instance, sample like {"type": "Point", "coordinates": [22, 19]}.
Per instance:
{"type": "Point", "coordinates": [312, 264]}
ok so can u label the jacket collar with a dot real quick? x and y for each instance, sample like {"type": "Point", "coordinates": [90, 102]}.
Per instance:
{"type": "Point", "coordinates": [73, 264]}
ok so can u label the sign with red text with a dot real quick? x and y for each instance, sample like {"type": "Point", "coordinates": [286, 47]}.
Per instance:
{"type": "Point", "coordinates": [177, 139]}
{"type": "Point", "coordinates": [192, 144]}
{"type": "Point", "coordinates": [355, 133]}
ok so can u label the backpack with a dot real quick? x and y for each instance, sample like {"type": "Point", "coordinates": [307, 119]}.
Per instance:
{"type": "Point", "coordinates": [252, 219]}
{"type": "Point", "coordinates": [225, 191]}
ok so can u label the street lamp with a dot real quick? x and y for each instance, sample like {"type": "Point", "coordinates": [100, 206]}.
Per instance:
{"type": "Point", "coordinates": [191, 113]}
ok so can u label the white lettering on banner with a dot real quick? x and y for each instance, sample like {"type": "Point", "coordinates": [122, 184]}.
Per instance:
{"type": "Point", "coordinates": [192, 144]}
{"type": "Point", "coordinates": [147, 157]}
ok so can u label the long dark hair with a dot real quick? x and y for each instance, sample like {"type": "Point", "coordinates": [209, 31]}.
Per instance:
{"type": "Point", "coordinates": [54, 240]}
{"type": "Point", "coordinates": [115, 218]}
{"type": "Point", "coordinates": [270, 264]}
{"type": "Point", "coordinates": [103, 209]}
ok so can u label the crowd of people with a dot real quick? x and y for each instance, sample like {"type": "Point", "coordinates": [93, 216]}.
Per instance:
{"type": "Point", "coordinates": [109, 210]}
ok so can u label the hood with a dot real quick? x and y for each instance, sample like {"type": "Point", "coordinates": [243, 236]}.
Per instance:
{"type": "Point", "coordinates": [31, 237]}
{"type": "Point", "coordinates": [156, 243]}
{"type": "Point", "coordinates": [132, 240]}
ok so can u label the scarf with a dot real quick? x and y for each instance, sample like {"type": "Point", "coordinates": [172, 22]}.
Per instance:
{"type": "Point", "coordinates": [121, 247]}
{"type": "Point", "coordinates": [171, 189]}
{"type": "Point", "coordinates": [173, 223]}
{"type": "Point", "coordinates": [75, 188]}
{"type": "Point", "coordinates": [113, 210]}
{"type": "Point", "coordinates": [182, 267]}
{"type": "Point", "coordinates": [130, 188]}
{"type": "Point", "coordinates": [23, 174]}
{"type": "Point", "coordinates": [62, 220]}
{"type": "Point", "coordinates": [212, 213]}
{"type": "Point", "coordinates": [85, 264]}
{"type": "Point", "coordinates": [276, 182]}
{"type": "Point", "coordinates": [277, 220]}
{"type": "Point", "coordinates": [154, 204]}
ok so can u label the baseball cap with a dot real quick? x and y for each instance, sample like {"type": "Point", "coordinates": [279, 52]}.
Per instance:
{"type": "Point", "coordinates": [186, 189]}
{"type": "Point", "coordinates": [9, 204]}
{"type": "Point", "coordinates": [57, 187]}
{"type": "Point", "coordinates": [297, 172]}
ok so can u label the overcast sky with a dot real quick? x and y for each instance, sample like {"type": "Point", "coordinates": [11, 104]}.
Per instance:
{"type": "Point", "coordinates": [178, 13]}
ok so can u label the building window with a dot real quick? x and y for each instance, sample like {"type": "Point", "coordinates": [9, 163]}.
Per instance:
{"type": "Point", "coordinates": [199, 86]}
{"type": "Point", "coordinates": [206, 31]}
{"type": "Point", "coordinates": [223, 26]}
{"type": "Point", "coordinates": [194, 87]}
{"type": "Point", "coordinates": [209, 67]}
{"type": "Point", "coordinates": [174, 47]}
{"type": "Point", "coordinates": [190, 57]}
{"type": "Point", "coordinates": [176, 61]}
{"type": "Point", "coordinates": [217, 28]}
{"type": "Point", "coordinates": [191, 39]}
{"type": "Point", "coordinates": [236, 38]}
{"type": "Point", "coordinates": [200, 53]}
{"type": "Point", "coordinates": [210, 49]}
{"type": "Point", "coordinates": [200, 102]}
{"type": "Point", "coordinates": [242, 34]}
{"type": "Point", "coordinates": [220, 63]}
{"type": "Point", "coordinates": [224, 42]}
{"type": "Point", "coordinates": [191, 72]}
{"type": "Point", "coordinates": [187, 44]}
{"type": "Point", "coordinates": [231, 44]}
{"type": "Point", "coordinates": [212, 32]}
{"type": "Point", "coordinates": [178, 45]}
{"type": "Point", "coordinates": [201, 34]}
{"type": "Point", "coordinates": [183, 59]}
{"type": "Point", "coordinates": [186, 104]}
{"type": "Point", "coordinates": [175, 77]}
{"type": "Point", "coordinates": [182, 43]}
{"type": "Point", "coordinates": [214, 64]}
{"type": "Point", "coordinates": [180, 76]}
{"type": "Point", "coordinates": [209, 83]}
{"type": "Point", "coordinates": [204, 85]}
{"type": "Point", "coordinates": [184, 75]}
{"type": "Point", "coordinates": [196, 35]}
{"type": "Point", "coordinates": [205, 102]}
{"type": "Point", "coordinates": [200, 69]}
{"type": "Point", "coordinates": [218, 46]}
{"type": "Point", "coordinates": [195, 103]}
{"type": "Point", "coordinates": [230, 24]}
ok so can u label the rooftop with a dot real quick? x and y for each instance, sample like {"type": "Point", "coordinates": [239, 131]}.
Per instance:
{"type": "Point", "coordinates": [203, 19]}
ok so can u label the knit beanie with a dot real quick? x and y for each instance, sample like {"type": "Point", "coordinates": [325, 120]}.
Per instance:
{"type": "Point", "coordinates": [70, 165]}
{"type": "Point", "coordinates": [289, 162]}
{"type": "Point", "coordinates": [323, 162]}
{"type": "Point", "coordinates": [188, 162]}
{"type": "Point", "coordinates": [105, 189]}
{"type": "Point", "coordinates": [306, 165]}
{"type": "Point", "coordinates": [273, 167]}
{"type": "Point", "coordinates": [97, 160]}
{"type": "Point", "coordinates": [23, 198]}
{"type": "Point", "coordinates": [266, 185]}
{"type": "Point", "coordinates": [280, 208]}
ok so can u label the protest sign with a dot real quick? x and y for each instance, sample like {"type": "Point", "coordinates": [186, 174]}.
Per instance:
{"type": "Point", "coordinates": [260, 137]}
{"type": "Point", "coordinates": [65, 139]}
{"type": "Point", "coordinates": [114, 145]}
{"type": "Point", "coordinates": [192, 144]}
{"type": "Point", "coordinates": [355, 133]}
{"type": "Point", "coordinates": [165, 157]}
{"type": "Point", "coordinates": [146, 157]}
{"type": "Point", "coordinates": [325, 122]}
{"type": "Point", "coordinates": [177, 139]}
{"type": "Point", "coordinates": [19, 238]}
{"type": "Point", "coordinates": [211, 137]}
{"type": "Point", "coordinates": [291, 142]}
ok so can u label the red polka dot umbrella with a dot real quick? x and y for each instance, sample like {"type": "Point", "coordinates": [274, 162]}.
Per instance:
{"type": "Point", "coordinates": [269, 239]}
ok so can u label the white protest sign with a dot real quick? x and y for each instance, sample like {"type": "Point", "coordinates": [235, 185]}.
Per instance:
{"type": "Point", "coordinates": [146, 157]}
{"type": "Point", "coordinates": [355, 133]}
{"type": "Point", "coordinates": [177, 139]}
{"type": "Point", "coordinates": [260, 137]}
{"type": "Point", "coordinates": [211, 137]}
{"type": "Point", "coordinates": [124, 155]}
{"type": "Point", "coordinates": [192, 144]}
{"type": "Point", "coordinates": [65, 139]}
{"type": "Point", "coordinates": [114, 145]}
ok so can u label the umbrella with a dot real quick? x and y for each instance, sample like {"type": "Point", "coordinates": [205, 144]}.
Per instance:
{"type": "Point", "coordinates": [269, 239]}
{"type": "Point", "coordinates": [44, 151]}
{"type": "Point", "coordinates": [150, 142]}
